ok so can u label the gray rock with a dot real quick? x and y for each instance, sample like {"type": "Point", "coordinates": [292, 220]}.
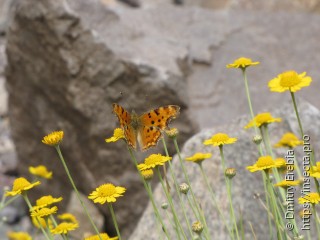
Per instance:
{"type": "Point", "coordinates": [75, 57]}
{"type": "Point", "coordinates": [6, 13]}
{"type": "Point", "coordinates": [3, 91]}
{"type": "Point", "coordinates": [10, 214]}
{"type": "Point", "coordinates": [8, 157]}
{"type": "Point", "coordinates": [245, 184]}
{"type": "Point", "coordinates": [17, 209]}
{"type": "Point", "coordinates": [256, 5]}
{"type": "Point", "coordinates": [69, 75]}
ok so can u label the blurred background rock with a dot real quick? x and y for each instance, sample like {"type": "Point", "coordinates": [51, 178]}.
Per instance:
{"type": "Point", "coordinates": [68, 60]}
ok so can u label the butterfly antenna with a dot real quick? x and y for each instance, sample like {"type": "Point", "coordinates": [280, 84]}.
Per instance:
{"type": "Point", "coordinates": [123, 99]}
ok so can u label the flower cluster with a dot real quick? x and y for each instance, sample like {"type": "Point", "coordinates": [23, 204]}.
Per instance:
{"type": "Point", "coordinates": [146, 130]}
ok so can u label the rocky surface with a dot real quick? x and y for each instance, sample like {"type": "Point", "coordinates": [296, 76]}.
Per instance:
{"type": "Point", "coordinates": [245, 184]}
{"type": "Point", "coordinates": [201, 42]}
{"type": "Point", "coordinates": [271, 5]}
{"type": "Point", "coordinates": [74, 75]}
{"type": "Point", "coordinates": [75, 57]}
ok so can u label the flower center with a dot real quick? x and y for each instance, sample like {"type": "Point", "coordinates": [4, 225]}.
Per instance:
{"type": "Point", "coordinates": [20, 184]}
{"type": "Point", "coordinates": [265, 161]}
{"type": "Point", "coordinates": [153, 159]}
{"type": "Point", "coordinates": [220, 137]}
{"type": "Point", "coordinates": [289, 79]}
{"type": "Point", "coordinates": [243, 61]}
{"type": "Point", "coordinates": [107, 190]}
{"type": "Point", "coordinates": [41, 170]}
{"type": "Point", "coordinates": [199, 156]}
{"type": "Point", "coordinates": [263, 118]}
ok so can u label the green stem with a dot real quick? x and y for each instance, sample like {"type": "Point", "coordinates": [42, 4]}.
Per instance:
{"type": "Point", "coordinates": [150, 194]}
{"type": "Point", "coordinates": [77, 192]}
{"type": "Point", "coordinates": [250, 104]}
{"type": "Point", "coordinates": [228, 184]}
{"type": "Point", "coordinates": [297, 113]}
{"type": "Point", "coordinates": [201, 216]}
{"type": "Point", "coordinates": [317, 185]}
{"type": "Point", "coordinates": [316, 218]}
{"type": "Point", "coordinates": [114, 220]}
{"type": "Point", "coordinates": [273, 206]}
{"type": "Point", "coordinates": [56, 224]}
{"type": "Point", "coordinates": [215, 203]}
{"type": "Point", "coordinates": [277, 176]}
{"type": "Point", "coordinates": [172, 224]}
{"type": "Point", "coordinates": [48, 228]}
{"type": "Point", "coordinates": [266, 139]}
{"type": "Point", "coordinates": [169, 198]}
{"type": "Point", "coordinates": [177, 188]}
{"type": "Point", "coordinates": [296, 166]}
{"type": "Point", "coordinates": [25, 197]}
{"type": "Point", "coordinates": [248, 94]}
{"type": "Point", "coordinates": [3, 205]}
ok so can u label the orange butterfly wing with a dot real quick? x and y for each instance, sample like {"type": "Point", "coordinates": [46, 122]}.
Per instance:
{"type": "Point", "coordinates": [125, 123]}
{"type": "Point", "coordinates": [153, 122]}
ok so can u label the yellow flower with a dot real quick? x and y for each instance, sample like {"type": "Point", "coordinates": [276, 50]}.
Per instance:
{"type": "Point", "coordinates": [46, 201]}
{"type": "Point", "coordinates": [281, 162]}
{"type": "Point", "coordinates": [153, 161]}
{"type": "Point", "coordinates": [106, 193]}
{"type": "Point", "coordinates": [282, 165]}
{"type": "Point", "coordinates": [43, 212]}
{"type": "Point", "coordinates": [285, 183]}
{"type": "Point", "coordinates": [20, 185]}
{"type": "Point", "coordinates": [38, 221]}
{"type": "Point", "coordinates": [219, 139]}
{"type": "Point", "coordinates": [19, 236]}
{"type": "Point", "coordinates": [64, 228]}
{"type": "Point", "coordinates": [117, 134]}
{"type": "Point", "coordinates": [289, 140]}
{"type": "Point", "coordinates": [68, 217]}
{"type": "Point", "coordinates": [262, 119]}
{"type": "Point", "coordinates": [263, 163]}
{"type": "Point", "coordinates": [40, 171]}
{"type": "Point", "coordinates": [305, 213]}
{"type": "Point", "coordinates": [313, 198]}
{"type": "Point", "coordinates": [315, 171]}
{"type": "Point", "coordinates": [104, 236]}
{"type": "Point", "coordinates": [147, 174]}
{"type": "Point", "coordinates": [242, 63]}
{"type": "Point", "coordinates": [53, 139]}
{"type": "Point", "coordinates": [289, 80]}
{"type": "Point", "coordinates": [199, 157]}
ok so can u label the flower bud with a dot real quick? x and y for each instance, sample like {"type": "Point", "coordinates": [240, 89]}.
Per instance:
{"type": "Point", "coordinates": [197, 227]}
{"type": "Point", "coordinates": [164, 205]}
{"type": "Point", "coordinates": [230, 172]}
{"type": "Point", "coordinates": [172, 133]}
{"type": "Point", "coordinates": [257, 139]}
{"type": "Point", "coordinates": [184, 188]}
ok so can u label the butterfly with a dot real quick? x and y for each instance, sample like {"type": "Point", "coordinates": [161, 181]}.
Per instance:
{"type": "Point", "coordinates": [147, 128]}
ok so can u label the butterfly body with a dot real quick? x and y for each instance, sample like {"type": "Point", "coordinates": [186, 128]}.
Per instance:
{"type": "Point", "coordinates": [135, 122]}
{"type": "Point", "coordinates": [146, 129]}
